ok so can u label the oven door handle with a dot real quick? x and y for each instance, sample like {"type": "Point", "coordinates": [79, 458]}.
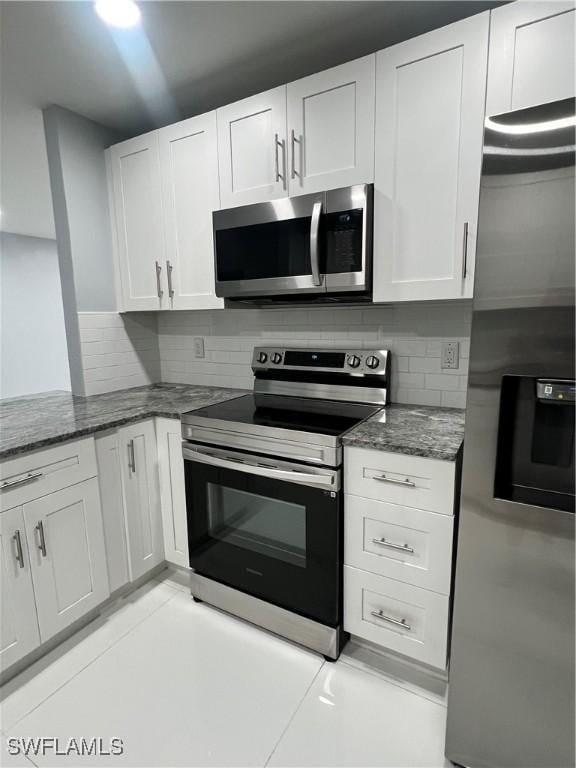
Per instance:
{"type": "Point", "coordinates": [327, 480]}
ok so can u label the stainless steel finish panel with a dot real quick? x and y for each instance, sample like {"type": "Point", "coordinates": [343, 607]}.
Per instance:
{"type": "Point", "coordinates": [346, 199]}
{"type": "Point", "coordinates": [511, 696]}
{"type": "Point", "coordinates": [311, 634]}
{"type": "Point", "coordinates": [282, 209]}
{"type": "Point", "coordinates": [268, 286]}
{"type": "Point", "coordinates": [371, 395]}
{"type": "Point", "coordinates": [263, 467]}
{"type": "Point", "coordinates": [263, 442]}
{"type": "Point", "coordinates": [383, 355]}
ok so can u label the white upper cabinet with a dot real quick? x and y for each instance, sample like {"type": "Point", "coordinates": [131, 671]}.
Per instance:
{"type": "Point", "coordinates": [18, 623]}
{"type": "Point", "coordinates": [252, 149]}
{"type": "Point", "coordinates": [430, 95]}
{"type": "Point", "coordinates": [67, 555]}
{"type": "Point", "coordinates": [189, 163]}
{"type": "Point", "coordinates": [531, 55]}
{"type": "Point", "coordinates": [137, 214]}
{"type": "Point", "coordinates": [331, 128]}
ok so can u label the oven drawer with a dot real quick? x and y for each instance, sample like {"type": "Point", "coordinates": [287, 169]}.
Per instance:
{"type": "Point", "coordinates": [400, 617]}
{"type": "Point", "coordinates": [410, 481]}
{"type": "Point", "coordinates": [406, 544]}
{"type": "Point", "coordinates": [38, 473]}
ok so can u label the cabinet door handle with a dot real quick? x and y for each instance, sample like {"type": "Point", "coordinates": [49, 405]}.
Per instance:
{"type": "Point", "coordinates": [21, 480]}
{"type": "Point", "coordinates": [19, 554]}
{"type": "Point", "coordinates": [158, 285]}
{"type": "Point", "coordinates": [293, 142]}
{"type": "Point", "coordinates": [131, 457]}
{"type": "Point", "coordinates": [278, 143]}
{"type": "Point", "coordinates": [384, 479]}
{"type": "Point", "coordinates": [465, 250]}
{"type": "Point", "coordinates": [391, 620]}
{"type": "Point", "coordinates": [169, 275]}
{"type": "Point", "coordinates": [42, 543]}
{"type": "Point", "coordinates": [392, 545]}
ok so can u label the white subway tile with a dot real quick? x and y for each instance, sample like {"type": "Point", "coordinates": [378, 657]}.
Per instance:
{"type": "Point", "coordinates": [453, 399]}
{"type": "Point", "coordinates": [441, 381]}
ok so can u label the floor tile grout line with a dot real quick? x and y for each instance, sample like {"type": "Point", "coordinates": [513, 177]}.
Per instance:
{"type": "Point", "coordinates": [393, 681]}
{"type": "Point", "coordinates": [293, 715]}
{"type": "Point", "coordinates": [82, 669]}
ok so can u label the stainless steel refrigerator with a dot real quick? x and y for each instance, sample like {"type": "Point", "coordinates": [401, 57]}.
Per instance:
{"type": "Point", "coordinates": [511, 689]}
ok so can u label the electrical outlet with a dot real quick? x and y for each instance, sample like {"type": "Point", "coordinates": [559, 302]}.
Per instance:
{"type": "Point", "coordinates": [450, 354]}
{"type": "Point", "coordinates": [199, 347]}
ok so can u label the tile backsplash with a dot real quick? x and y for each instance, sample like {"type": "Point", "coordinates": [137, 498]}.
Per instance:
{"type": "Point", "coordinates": [413, 333]}
{"type": "Point", "coordinates": [118, 351]}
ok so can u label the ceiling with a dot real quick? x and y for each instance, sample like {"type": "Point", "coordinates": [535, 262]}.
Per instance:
{"type": "Point", "coordinates": [186, 58]}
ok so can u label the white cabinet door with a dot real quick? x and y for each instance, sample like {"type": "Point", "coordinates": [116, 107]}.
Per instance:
{"type": "Point", "coordinates": [430, 94]}
{"type": "Point", "coordinates": [189, 162]}
{"type": "Point", "coordinates": [172, 493]}
{"type": "Point", "coordinates": [252, 149]}
{"type": "Point", "coordinates": [19, 625]}
{"type": "Point", "coordinates": [67, 556]}
{"type": "Point", "coordinates": [137, 203]}
{"type": "Point", "coordinates": [331, 128]}
{"type": "Point", "coordinates": [143, 517]}
{"type": "Point", "coordinates": [109, 458]}
{"type": "Point", "coordinates": [531, 57]}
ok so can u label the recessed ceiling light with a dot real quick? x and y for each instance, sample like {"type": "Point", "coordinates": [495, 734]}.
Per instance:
{"type": "Point", "coordinates": [118, 13]}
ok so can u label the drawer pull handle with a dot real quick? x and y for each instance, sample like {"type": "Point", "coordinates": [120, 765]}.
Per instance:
{"type": "Point", "coordinates": [397, 622]}
{"type": "Point", "coordinates": [392, 545]}
{"type": "Point", "coordinates": [384, 479]}
{"type": "Point", "coordinates": [21, 480]}
{"type": "Point", "coordinates": [19, 554]}
{"type": "Point", "coordinates": [42, 543]}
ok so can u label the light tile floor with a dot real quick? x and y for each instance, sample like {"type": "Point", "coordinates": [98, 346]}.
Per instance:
{"type": "Point", "coordinates": [185, 685]}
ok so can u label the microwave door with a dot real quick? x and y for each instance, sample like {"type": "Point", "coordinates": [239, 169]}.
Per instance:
{"type": "Point", "coordinates": [269, 248]}
{"type": "Point", "coordinates": [348, 239]}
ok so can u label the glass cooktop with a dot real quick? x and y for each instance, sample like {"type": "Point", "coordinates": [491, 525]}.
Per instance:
{"type": "Point", "coordinates": [325, 417]}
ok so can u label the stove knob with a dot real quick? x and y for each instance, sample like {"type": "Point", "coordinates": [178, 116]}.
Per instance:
{"type": "Point", "coordinates": [262, 357]}
{"type": "Point", "coordinates": [353, 361]}
{"type": "Point", "coordinates": [276, 358]}
{"type": "Point", "coordinates": [372, 362]}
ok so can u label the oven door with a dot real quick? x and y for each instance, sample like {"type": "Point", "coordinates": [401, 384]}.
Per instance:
{"type": "Point", "coordinates": [270, 248]}
{"type": "Point", "coordinates": [270, 528]}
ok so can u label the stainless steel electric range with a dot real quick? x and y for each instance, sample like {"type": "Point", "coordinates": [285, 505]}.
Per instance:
{"type": "Point", "coordinates": [264, 490]}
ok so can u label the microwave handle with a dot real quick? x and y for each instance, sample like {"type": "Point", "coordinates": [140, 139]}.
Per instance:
{"type": "Point", "coordinates": [314, 243]}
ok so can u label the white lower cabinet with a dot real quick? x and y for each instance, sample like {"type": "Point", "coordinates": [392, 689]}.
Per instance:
{"type": "Point", "coordinates": [398, 545]}
{"type": "Point", "coordinates": [411, 545]}
{"type": "Point", "coordinates": [19, 632]}
{"type": "Point", "coordinates": [139, 463]}
{"type": "Point", "coordinates": [67, 556]}
{"type": "Point", "coordinates": [172, 494]}
{"type": "Point", "coordinates": [403, 618]}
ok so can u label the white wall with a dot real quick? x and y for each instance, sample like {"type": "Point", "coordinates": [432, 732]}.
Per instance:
{"type": "Point", "coordinates": [34, 356]}
{"type": "Point", "coordinates": [413, 333]}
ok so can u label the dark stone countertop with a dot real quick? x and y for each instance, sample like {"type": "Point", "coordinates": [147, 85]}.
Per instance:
{"type": "Point", "coordinates": [416, 430]}
{"type": "Point", "coordinates": [35, 421]}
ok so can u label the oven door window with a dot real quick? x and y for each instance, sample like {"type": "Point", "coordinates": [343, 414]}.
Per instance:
{"type": "Point", "coordinates": [257, 523]}
{"type": "Point", "coordinates": [276, 540]}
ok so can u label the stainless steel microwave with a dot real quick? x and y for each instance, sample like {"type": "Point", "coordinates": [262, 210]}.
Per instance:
{"type": "Point", "coordinates": [311, 246]}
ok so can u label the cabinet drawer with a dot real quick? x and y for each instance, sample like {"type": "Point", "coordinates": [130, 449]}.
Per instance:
{"type": "Point", "coordinates": [38, 473]}
{"type": "Point", "coordinates": [397, 616]}
{"type": "Point", "coordinates": [406, 544]}
{"type": "Point", "coordinates": [410, 481]}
